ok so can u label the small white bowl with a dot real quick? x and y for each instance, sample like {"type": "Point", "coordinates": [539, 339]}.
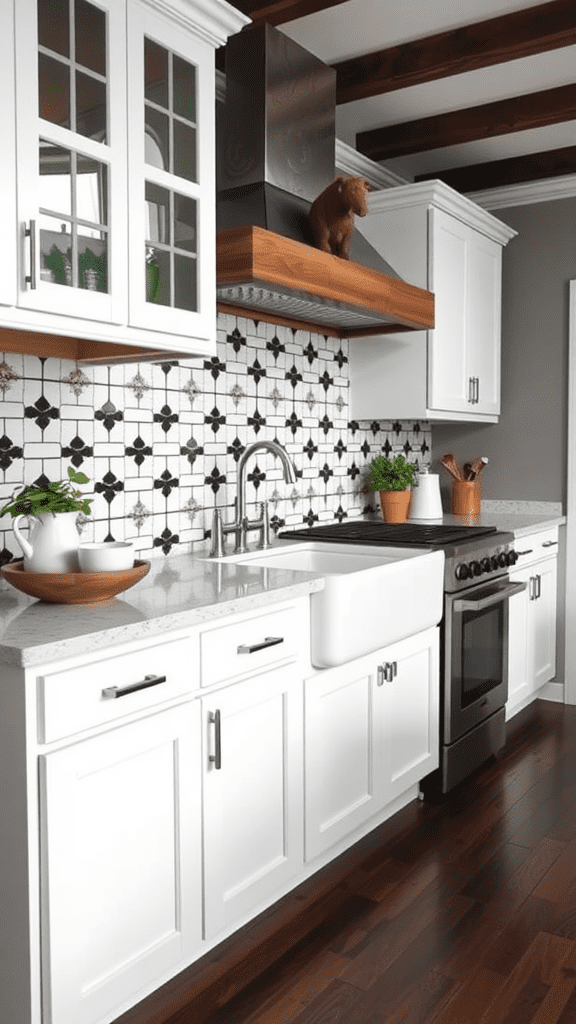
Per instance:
{"type": "Point", "coordinates": [107, 556]}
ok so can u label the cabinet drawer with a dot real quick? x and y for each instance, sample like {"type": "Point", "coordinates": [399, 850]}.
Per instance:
{"type": "Point", "coordinates": [533, 546]}
{"type": "Point", "coordinates": [113, 685]}
{"type": "Point", "coordinates": [249, 645]}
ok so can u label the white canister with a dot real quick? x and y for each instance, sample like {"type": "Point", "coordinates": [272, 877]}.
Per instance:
{"type": "Point", "coordinates": [426, 501]}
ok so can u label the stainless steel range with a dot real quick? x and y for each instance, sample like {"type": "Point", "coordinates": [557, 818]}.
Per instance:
{"type": "Point", "coordinates": [474, 632]}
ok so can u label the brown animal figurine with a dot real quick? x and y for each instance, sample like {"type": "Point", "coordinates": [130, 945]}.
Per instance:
{"type": "Point", "coordinates": [332, 214]}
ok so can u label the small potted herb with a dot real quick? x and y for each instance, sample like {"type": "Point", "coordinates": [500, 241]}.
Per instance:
{"type": "Point", "coordinates": [392, 478]}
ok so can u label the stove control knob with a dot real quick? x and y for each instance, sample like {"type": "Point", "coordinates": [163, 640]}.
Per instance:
{"type": "Point", "coordinates": [511, 558]}
{"type": "Point", "coordinates": [475, 569]}
{"type": "Point", "coordinates": [494, 563]}
{"type": "Point", "coordinates": [462, 572]}
{"type": "Point", "coordinates": [502, 560]}
{"type": "Point", "coordinates": [486, 565]}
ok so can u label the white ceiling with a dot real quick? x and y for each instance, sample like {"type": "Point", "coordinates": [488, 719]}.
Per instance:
{"type": "Point", "coordinates": [363, 26]}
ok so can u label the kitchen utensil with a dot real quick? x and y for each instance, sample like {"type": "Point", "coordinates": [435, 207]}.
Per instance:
{"type": "Point", "coordinates": [73, 587]}
{"type": "Point", "coordinates": [106, 556]}
{"type": "Point", "coordinates": [426, 502]}
{"type": "Point", "coordinates": [449, 463]}
{"type": "Point", "coordinates": [478, 465]}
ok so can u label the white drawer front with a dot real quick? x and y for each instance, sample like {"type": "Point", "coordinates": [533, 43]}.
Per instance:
{"type": "Point", "coordinates": [249, 645]}
{"type": "Point", "coordinates": [533, 546]}
{"type": "Point", "coordinates": [90, 694]}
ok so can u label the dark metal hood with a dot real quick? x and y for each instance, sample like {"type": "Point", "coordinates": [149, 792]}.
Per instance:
{"type": "Point", "coordinates": [276, 151]}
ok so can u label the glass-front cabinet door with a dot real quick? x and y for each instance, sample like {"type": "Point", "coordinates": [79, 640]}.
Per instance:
{"type": "Point", "coordinates": [71, 152]}
{"type": "Point", "coordinates": [172, 230]}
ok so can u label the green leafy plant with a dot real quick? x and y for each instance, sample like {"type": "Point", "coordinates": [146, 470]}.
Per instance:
{"type": "Point", "coordinates": [391, 474]}
{"type": "Point", "coordinates": [60, 496]}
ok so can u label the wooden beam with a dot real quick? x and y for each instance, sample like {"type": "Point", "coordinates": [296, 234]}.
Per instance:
{"type": "Point", "coordinates": [495, 173]}
{"type": "Point", "coordinates": [519, 113]}
{"type": "Point", "coordinates": [509, 37]}
{"type": "Point", "coordinates": [277, 12]}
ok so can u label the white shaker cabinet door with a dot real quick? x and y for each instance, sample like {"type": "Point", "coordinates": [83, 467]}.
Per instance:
{"type": "Point", "coordinates": [121, 858]}
{"type": "Point", "coordinates": [345, 733]}
{"type": "Point", "coordinates": [542, 635]}
{"type": "Point", "coordinates": [411, 710]}
{"type": "Point", "coordinates": [252, 795]}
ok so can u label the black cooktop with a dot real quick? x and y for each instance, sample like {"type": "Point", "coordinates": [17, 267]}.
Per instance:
{"type": "Point", "coordinates": [399, 534]}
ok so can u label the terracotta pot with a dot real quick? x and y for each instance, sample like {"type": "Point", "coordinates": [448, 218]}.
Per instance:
{"type": "Point", "coordinates": [394, 505]}
{"type": "Point", "coordinates": [466, 498]}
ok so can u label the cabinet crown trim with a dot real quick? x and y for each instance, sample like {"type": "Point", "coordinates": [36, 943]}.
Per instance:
{"type": "Point", "coordinates": [212, 20]}
{"type": "Point", "coordinates": [441, 196]}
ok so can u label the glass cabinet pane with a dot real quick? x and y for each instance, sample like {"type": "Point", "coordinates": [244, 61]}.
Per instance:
{"type": "Point", "coordinates": [170, 111]}
{"type": "Point", "coordinates": [171, 244]}
{"type": "Point", "coordinates": [73, 221]}
{"type": "Point", "coordinates": [72, 67]}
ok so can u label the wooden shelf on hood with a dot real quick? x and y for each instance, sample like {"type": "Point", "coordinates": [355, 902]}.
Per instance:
{"type": "Point", "coordinates": [271, 277]}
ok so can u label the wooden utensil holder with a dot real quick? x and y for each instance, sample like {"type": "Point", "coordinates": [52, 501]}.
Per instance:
{"type": "Point", "coordinates": [466, 498]}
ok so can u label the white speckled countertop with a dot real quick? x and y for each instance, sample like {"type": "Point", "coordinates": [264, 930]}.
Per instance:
{"type": "Point", "coordinates": [186, 590]}
{"type": "Point", "coordinates": [517, 517]}
{"type": "Point", "coordinates": [178, 592]}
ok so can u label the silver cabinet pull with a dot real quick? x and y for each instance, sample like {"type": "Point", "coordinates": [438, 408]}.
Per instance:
{"type": "Point", "coordinates": [549, 543]}
{"type": "Point", "coordinates": [471, 389]}
{"type": "Point", "coordinates": [31, 234]}
{"type": "Point", "coordinates": [386, 672]}
{"type": "Point", "coordinates": [538, 586]}
{"type": "Point", "coordinates": [527, 552]}
{"type": "Point", "coordinates": [216, 757]}
{"type": "Point", "coordinates": [477, 391]}
{"type": "Point", "coordinates": [531, 588]}
{"type": "Point", "coordinates": [121, 691]}
{"type": "Point", "coordinates": [268, 641]}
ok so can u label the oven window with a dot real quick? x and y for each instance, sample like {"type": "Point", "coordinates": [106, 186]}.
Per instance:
{"type": "Point", "coordinates": [482, 652]}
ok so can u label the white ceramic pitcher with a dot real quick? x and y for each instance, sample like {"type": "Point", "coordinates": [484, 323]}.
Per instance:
{"type": "Point", "coordinates": [52, 545]}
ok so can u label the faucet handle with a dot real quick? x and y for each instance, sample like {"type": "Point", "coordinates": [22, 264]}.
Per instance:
{"type": "Point", "coordinates": [217, 549]}
{"type": "Point", "coordinates": [265, 517]}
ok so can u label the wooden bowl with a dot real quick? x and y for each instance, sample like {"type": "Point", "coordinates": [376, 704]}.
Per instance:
{"type": "Point", "coordinates": [73, 587]}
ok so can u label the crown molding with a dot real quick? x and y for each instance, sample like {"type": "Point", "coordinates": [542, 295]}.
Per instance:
{"type": "Point", "coordinates": [211, 20]}
{"type": "Point", "coordinates": [442, 197]}
{"type": "Point", "coordinates": [529, 192]}
{"type": "Point", "coordinates": [352, 162]}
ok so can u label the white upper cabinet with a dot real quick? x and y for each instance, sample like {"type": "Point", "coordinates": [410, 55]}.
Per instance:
{"type": "Point", "coordinates": [114, 172]}
{"type": "Point", "coordinates": [437, 239]}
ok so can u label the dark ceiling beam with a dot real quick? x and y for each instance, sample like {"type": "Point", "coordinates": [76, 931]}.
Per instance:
{"type": "Point", "coordinates": [277, 12]}
{"type": "Point", "coordinates": [509, 37]}
{"type": "Point", "coordinates": [520, 113]}
{"type": "Point", "coordinates": [512, 171]}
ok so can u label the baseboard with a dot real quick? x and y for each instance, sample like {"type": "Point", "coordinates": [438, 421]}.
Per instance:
{"type": "Point", "coordinates": [552, 691]}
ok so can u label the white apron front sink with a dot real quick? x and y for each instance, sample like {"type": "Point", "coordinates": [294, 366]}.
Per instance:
{"type": "Point", "coordinates": [372, 596]}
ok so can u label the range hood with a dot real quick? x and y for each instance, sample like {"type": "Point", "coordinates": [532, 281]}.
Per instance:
{"type": "Point", "coordinates": [276, 149]}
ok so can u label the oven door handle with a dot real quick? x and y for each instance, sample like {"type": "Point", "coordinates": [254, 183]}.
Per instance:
{"type": "Point", "coordinates": [468, 604]}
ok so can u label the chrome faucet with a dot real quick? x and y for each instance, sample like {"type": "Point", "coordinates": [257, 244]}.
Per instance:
{"type": "Point", "coordinates": [242, 524]}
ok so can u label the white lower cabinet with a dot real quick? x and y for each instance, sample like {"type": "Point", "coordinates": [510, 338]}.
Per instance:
{"type": "Point", "coordinates": [532, 622]}
{"type": "Point", "coordinates": [121, 864]}
{"type": "Point", "coordinates": [371, 731]}
{"type": "Point", "coordinates": [252, 795]}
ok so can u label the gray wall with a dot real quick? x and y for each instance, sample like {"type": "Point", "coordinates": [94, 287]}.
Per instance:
{"type": "Point", "coordinates": [527, 447]}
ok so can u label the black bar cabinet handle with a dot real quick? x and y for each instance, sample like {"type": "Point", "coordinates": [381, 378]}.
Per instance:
{"type": "Point", "coordinates": [216, 757]}
{"type": "Point", "coordinates": [269, 641]}
{"type": "Point", "coordinates": [122, 691]}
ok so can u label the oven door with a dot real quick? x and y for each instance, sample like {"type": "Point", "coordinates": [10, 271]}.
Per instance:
{"type": "Point", "coordinates": [476, 655]}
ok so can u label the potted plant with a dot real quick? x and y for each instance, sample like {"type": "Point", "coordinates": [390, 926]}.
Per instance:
{"type": "Point", "coordinates": [392, 478]}
{"type": "Point", "coordinates": [53, 543]}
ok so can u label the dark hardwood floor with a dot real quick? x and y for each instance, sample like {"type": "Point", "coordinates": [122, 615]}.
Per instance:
{"type": "Point", "coordinates": [459, 913]}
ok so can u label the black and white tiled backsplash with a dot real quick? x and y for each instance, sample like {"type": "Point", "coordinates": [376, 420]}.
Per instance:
{"type": "Point", "coordinates": [160, 442]}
